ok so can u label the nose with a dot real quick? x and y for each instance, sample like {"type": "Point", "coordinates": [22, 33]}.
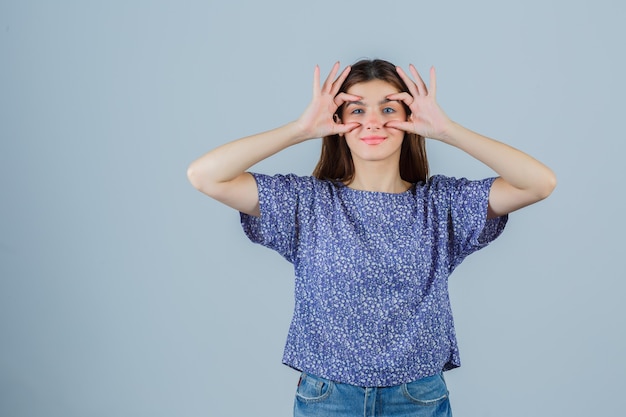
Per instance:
{"type": "Point", "coordinates": [373, 121]}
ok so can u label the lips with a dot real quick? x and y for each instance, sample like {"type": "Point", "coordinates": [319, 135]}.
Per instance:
{"type": "Point", "coordinates": [373, 140]}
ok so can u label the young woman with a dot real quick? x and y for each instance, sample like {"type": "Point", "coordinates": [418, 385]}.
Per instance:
{"type": "Point", "coordinates": [372, 238]}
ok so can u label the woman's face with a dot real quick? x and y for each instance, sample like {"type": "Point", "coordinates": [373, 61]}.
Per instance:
{"type": "Point", "coordinates": [373, 140]}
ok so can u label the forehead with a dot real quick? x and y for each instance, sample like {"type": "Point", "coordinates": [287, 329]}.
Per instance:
{"type": "Point", "coordinates": [374, 89]}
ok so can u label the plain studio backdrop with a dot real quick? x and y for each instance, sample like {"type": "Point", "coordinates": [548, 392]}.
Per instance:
{"type": "Point", "coordinates": [125, 292]}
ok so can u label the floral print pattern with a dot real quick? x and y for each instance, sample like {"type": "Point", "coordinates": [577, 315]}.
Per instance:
{"type": "Point", "coordinates": [371, 269]}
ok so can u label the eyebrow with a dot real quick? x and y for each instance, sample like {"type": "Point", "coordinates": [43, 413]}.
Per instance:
{"type": "Point", "coordinates": [360, 103]}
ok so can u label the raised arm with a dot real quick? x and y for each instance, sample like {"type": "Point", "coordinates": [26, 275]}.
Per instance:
{"type": "Point", "coordinates": [522, 179]}
{"type": "Point", "coordinates": [221, 173]}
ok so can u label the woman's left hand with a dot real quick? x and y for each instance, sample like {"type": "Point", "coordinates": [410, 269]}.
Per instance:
{"type": "Point", "coordinates": [427, 119]}
{"type": "Point", "coordinates": [523, 180]}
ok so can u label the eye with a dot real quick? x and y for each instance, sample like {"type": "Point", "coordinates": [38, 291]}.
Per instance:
{"type": "Point", "coordinates": [357, 111]}
{"type": "Point", "coordinates": [389, 110]}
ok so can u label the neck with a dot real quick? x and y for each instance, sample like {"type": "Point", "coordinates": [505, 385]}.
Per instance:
{"type": "Point", "coordinates": [378, 176]}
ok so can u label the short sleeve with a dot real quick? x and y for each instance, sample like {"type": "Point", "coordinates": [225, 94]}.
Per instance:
{"type": "Point", "coordinates": [276, 227]}
{"type": "Point", "coordinates": [470, 228]}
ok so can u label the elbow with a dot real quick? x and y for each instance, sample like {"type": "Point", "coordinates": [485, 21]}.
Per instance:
{"type": "Point", "coordinates": [548, 184]}
{"type": "Point", "coordinates": [192, 175]}
{"type": "Point", "coordinates": [201, 179]}
{"type": "Point", "coordinates": [196, 177]}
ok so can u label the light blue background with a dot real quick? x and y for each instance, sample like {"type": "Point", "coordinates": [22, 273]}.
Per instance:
{"type": "Point", "coordinates": [124, 292]}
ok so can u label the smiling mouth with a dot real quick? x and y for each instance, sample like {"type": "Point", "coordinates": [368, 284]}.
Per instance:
{"type": "Point", "coordinates": [373, 140]}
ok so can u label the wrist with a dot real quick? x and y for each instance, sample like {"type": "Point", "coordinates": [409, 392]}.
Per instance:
{"type": "Point", "coordinates": [299, 131]}
{"type": "Point", "coordinates": [450, 133]}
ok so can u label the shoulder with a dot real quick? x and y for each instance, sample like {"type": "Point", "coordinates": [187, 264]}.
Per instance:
{"type": "Point", "coordinates": [437, 185]}
{"type": "Point", "coordinates": [292, 183]}
{"type": "Point", "coordinates": [447, 191]}
{"type": "Point", "coordinates": [451, 184]}
{"type": "Point", "coordinates": [443, 181]}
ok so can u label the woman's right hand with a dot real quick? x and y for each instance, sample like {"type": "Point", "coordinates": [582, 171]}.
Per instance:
{"type": "Point", "coordinates": [317, 120]}
{"type": "Point", "coordinates": [222, 173]}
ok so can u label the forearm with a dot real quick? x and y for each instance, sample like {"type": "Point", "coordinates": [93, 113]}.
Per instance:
{"type": "Point", "coordinates": [517, 168]}
{"type": "Point", "coordinates": [227, 162]}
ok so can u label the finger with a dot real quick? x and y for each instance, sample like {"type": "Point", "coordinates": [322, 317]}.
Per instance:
{"type": "Point", "coordinates": [400, 125]}
{"type": "Point", "coordinates": [342, 98]}
{"type": "Point", "coordinates": [348, 127]}
{"type": "Point", "coordinates": [433, 82]}
{"type": "Point", "coordinates": [329, 80]}
{"type": "Point", "coordinates": [339, 81]}
{"type": "Point", "coordinates": [408, 81]}
{"type": "Point", "coordinates": [421, 86]}
{"type": "Point", "coordinates": [405, 97]}
{"type": "Point", "coordinates": [316, 80]}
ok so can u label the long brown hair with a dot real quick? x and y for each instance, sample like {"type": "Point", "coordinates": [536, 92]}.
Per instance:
{"type": "Point", "coordinates": [336, 160]}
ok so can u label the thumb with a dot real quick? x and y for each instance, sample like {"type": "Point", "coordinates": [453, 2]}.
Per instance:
{"type": "Point", "coordinates": [347, 127]}
{"type": "Point", "coordinates": [398, 124]}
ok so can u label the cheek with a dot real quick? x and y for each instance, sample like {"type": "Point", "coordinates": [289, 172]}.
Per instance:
{"type": "Point", "coordinates": [352, 138]}
{"type": "Point", "coordinates": [352, 135]}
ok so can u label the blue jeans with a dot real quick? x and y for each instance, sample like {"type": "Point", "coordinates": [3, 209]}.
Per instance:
{"type": "Point", "coordinates": [317, 396]}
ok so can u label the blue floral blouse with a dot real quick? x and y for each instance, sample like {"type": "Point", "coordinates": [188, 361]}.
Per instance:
{"type": "Point", "coordinates": [371, 270]}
